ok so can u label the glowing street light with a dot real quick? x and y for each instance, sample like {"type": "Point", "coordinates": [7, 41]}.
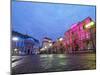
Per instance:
{"type": "Point", "coordinates": [50, 44]}
{"type": "Point", "coordinates": [45, 47]}
{"type": "Point", "coordinates": [15, 49]}
{"type": "Point", "coordinates": [60, 39]}
{"type": "Point", "coordinates": [15, 39]}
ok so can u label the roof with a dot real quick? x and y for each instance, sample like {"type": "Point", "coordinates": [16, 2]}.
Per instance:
{"type": "Point", "coordinates": [24, 36]}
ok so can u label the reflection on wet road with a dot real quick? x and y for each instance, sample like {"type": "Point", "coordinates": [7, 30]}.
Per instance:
{"type": "Point", "coordinates": [54, 62]}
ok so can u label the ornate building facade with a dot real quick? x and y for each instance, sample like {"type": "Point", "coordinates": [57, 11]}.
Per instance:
{"type": "Point", "coordinates": [81, 36]}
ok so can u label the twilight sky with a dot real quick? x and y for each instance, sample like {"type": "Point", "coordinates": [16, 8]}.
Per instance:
{"type": "Point", "coordinates": [46, 19]}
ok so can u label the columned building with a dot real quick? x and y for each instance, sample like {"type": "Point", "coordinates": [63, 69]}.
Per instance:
{"type": "Point", "coordinates": [46, 45]}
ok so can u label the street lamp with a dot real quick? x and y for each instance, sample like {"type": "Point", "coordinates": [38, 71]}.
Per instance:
{"type": "Point", "coordinates": [50, 44]}
{"type": "Point", "coordinates": [45, 47]}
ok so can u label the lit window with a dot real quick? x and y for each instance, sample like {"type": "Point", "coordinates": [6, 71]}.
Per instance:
{"type": "Point", "coordinates": [87, 35]}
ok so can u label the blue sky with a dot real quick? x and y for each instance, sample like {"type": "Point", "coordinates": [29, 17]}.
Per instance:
{"type": "Point", "coordinates": [47, 19]}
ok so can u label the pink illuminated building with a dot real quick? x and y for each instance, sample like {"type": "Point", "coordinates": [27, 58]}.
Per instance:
{"type": "Point", "coordinates": [81, 36]}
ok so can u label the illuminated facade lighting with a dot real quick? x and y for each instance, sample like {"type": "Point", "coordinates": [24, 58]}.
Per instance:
{"type": "Point", "coordinates": [78, 37]}
{"type": "Point", "coordinates": [15, 49]}
{"type": "Point", "coordinates": [89, 24]}
{"type": "Point", "coordinates": [15, 39]}
{"type": "Point", "coordinates": [60, 39]}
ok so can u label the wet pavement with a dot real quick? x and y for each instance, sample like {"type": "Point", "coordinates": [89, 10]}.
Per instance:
{"type": "Point", "coordinates": [53, 63]}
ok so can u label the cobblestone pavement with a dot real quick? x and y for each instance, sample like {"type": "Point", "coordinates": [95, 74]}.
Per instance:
{"type": "Point", "coordinates": [54, 63]}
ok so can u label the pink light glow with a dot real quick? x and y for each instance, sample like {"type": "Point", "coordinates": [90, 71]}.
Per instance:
{"type": "Point", "coordinates": [87, 20]}
{"type": "Point", "coordinates": [74, 25]}
{"type": "Point", "coordinates": [78, 34]}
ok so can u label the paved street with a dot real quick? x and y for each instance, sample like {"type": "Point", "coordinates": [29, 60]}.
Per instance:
{"type": "Point", "coordinates": [53, 62]}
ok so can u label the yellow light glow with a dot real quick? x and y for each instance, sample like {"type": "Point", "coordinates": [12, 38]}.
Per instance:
{"type": "Point", "coordinates": [89, 24]}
